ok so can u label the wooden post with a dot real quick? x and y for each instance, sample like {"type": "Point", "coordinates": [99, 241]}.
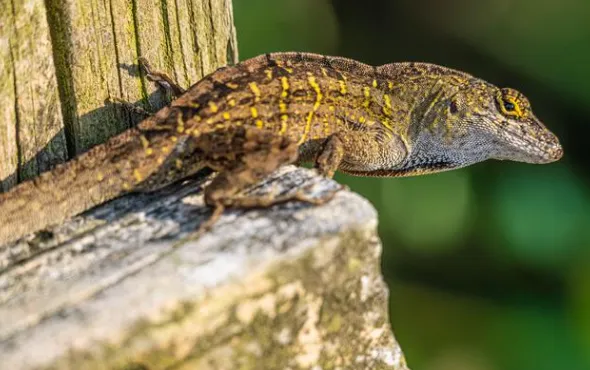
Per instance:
{"type": "Point", "coordinates": [62, 62]}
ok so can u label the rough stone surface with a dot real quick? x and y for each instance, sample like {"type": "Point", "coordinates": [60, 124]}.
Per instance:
{"type": "Point", "coordinates": [294, 286]}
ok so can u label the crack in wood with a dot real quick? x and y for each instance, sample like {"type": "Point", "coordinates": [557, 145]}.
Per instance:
{"type": "Point", "coordinates": [138, 53]}
{"type": "Point", "coordinates": [61, 44]}
{"type": "Point", "coordinates": [180, 43]}
{"type": "Point", "coordinates": [17, 120]}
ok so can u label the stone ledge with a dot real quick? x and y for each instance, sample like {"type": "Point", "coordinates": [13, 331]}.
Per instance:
{"type": "Point", "coordinates": [294, 286]}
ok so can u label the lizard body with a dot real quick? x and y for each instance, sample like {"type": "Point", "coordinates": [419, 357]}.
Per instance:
{"type": "Point", "coordinates": [247, 120]}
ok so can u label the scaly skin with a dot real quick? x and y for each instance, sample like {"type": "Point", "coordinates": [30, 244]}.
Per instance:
{"type": "Point", "coordinates": [247, 120]}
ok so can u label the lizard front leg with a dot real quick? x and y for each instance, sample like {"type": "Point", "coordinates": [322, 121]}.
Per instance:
{"type": "Point", "coordinates": [250, 169]}
{"type": "Point", "coordinates": [330, 156]}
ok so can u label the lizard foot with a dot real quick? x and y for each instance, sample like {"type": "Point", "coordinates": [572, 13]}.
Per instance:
{"type": "Point", "coordinates": [208, 224]}
{"type": "Point", "coordinates": [161, 79]}
{"type": "Point", "coordinates": [264, 201]}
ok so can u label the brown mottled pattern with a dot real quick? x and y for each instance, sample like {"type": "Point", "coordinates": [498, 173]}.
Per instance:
{"type": "Point", "coordinates": [246, 120]}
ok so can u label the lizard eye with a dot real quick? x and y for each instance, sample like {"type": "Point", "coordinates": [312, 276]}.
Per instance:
{"type": "Point", "coordinates": [509, 104]}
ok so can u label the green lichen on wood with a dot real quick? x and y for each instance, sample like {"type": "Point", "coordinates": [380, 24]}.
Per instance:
{"type": "Point", "coordinates": [94, 47]}
{"type": "Point", "coordinates": [31, 132]}
{"type": "Point", "coordinates": [58, 21]}
{"type": "Point", "coordinates": [299, 313]}
{"type": "Point", "coordinates": [8, 137]}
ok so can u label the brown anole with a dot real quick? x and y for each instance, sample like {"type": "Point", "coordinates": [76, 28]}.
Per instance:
{"type": "Point", "coordinates": [245, 121]}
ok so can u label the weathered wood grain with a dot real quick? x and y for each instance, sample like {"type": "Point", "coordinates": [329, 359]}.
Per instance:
{"type": "Point", "coordinates": [31, 130]}
{"type": "Point", "coordinates": [8, 147]}
{"type": "Point", "coordinates": [63, 62]}
{"type": "Point", "coordinates": [292, 286]}
{"type": "Point", "coordinates": [99, 47]}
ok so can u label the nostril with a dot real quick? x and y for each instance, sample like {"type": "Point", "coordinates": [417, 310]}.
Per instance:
{"type": "Point", "coordinates": [558, 153]}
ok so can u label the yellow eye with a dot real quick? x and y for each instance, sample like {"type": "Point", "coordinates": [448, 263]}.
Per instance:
{"type": "Point", "coordinates": [510, 106]}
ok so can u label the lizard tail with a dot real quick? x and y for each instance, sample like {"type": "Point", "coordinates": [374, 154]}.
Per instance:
{"type": "Point", "coordinates": [88, 180]}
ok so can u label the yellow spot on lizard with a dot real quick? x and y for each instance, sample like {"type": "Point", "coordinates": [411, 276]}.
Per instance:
{"type": "Point", "coordinates": [259, 123]}
{"type": "Point", "coordinates": [387, 109]}
{"type": "Point", "coordinates": [284, 119]}
{"type": "Point", "coordinates": [179, 124]}
{"type": "Point", "coordinates": [100, 176]}
{"type": "Point", "coordinates": [307, 127]}
{"type": "Point", "coordinates": [255, 90]}
{"type": "Point", "coordinates": [285, 85]}
{"type": "Point", "coordinates": [343, 89]}
{"type": "Point", "coordinates": [387, 123]}
{"type": "Point", "coordinates": [214, 108]}
{"type": "Point", "coordinates": [374, 83]}
{"type": "Point", "coordinates": [144, 142]}
{"type": "Point", "coordinates": [316, 87]}
{"type": "Point", "coordinates": [232, 85]}
{"type": "Point", "coordinates": [137, 175]}
{"type": "Point", "coordinates": [254, 112]}
{"type": "Point", "coordinates": [367, 93]}
{"type": "Point", "coordinates": [387, 101]}
{"type": "Point", "coordinates": [318, 100]}
{"type": "Point", "coordinates": [126, 186]}
{"type": "Point", "coordinates": [268, 73]}
{"type": "Point", "coordinates": [231, 102]}
{"type": "Point", "coordinates": [283, 105]}
{"type": "Point", "coordinates": [226, 116]}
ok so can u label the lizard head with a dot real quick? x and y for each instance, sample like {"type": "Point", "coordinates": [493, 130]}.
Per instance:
{"type": "Point", "coordinates": [505, 119]}
{"type": "Point", "coordinates": [479, 121]}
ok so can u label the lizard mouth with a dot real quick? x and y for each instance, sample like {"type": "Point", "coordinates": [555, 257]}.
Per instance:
{"type": "Point", "coordinates": [542, 147]}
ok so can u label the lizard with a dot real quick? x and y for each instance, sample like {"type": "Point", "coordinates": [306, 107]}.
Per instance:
{"type": "Point", "coordinates": [245, 121]}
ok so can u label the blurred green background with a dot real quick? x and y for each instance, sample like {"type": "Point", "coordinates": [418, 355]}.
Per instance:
{"type": "Point", "coordinates": [488, 267]}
